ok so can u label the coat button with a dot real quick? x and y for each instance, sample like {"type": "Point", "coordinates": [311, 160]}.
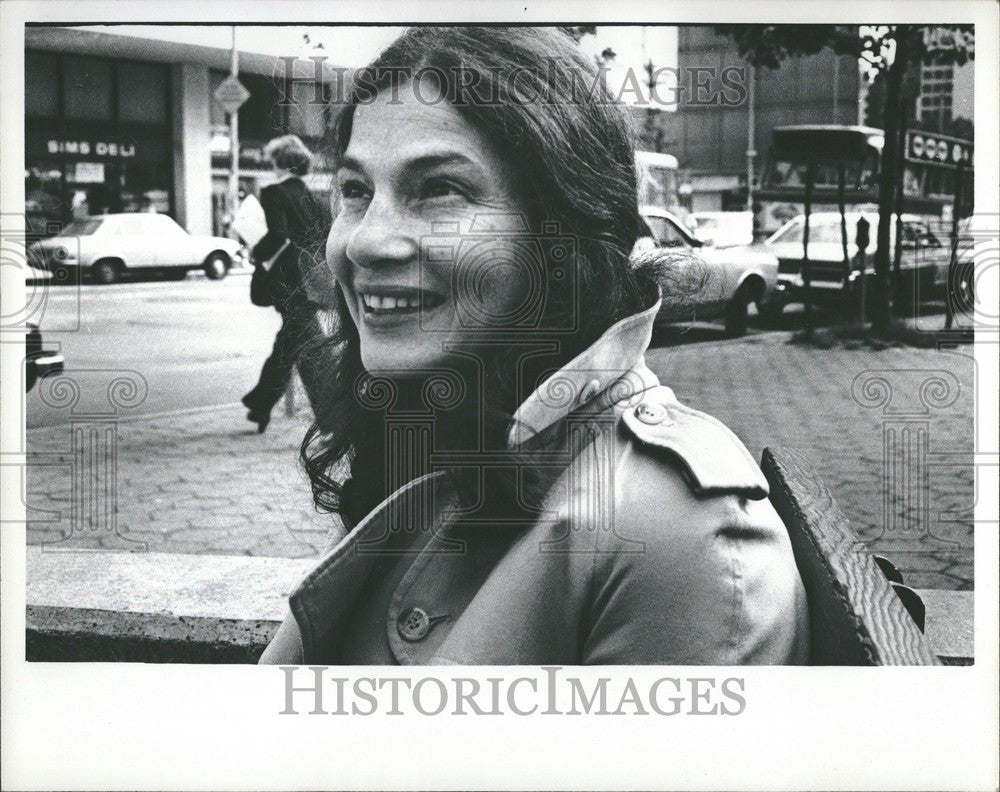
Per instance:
{"type": "Point", "coordinates": [413, 624]}
{"type": "Point", "coordinates": [651, 414]}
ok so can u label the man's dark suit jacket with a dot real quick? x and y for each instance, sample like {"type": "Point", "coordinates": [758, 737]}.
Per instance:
{"type": "Point", "coordinates": [294, 214]}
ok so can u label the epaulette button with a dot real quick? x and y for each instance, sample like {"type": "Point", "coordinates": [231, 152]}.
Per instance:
{"type": "Point", "coordinates": [651, 413]}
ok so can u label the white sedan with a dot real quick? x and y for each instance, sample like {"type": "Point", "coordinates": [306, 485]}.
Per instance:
{"type": "Point", "coordinates": [106, 247]}
{"type": "Point", "coordinates": [706, 282]}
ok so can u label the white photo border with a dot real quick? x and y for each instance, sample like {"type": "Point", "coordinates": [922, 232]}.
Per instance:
{"type": "Point", "coordinates": [133, 726]}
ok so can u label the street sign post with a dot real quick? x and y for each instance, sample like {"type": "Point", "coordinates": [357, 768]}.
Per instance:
{"type": "Point", "coordinates": [231, 94]}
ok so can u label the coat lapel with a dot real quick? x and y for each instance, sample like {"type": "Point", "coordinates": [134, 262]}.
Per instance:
{"type": "Point", "coordinates": [322, 599]}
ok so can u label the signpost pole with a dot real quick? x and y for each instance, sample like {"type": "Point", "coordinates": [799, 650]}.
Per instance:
{"type": "Point", "coordinates": [230, 96]}
{"type": "Point", "coordinates": [234, 142]}
{"type": "Point", "coordinates": [751, 148]}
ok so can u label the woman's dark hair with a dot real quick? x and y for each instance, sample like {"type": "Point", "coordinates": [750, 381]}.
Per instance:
{"type": "Point", "coordinates": [289, 153]}
{"type": "Point", "coordinates": [544, 107]}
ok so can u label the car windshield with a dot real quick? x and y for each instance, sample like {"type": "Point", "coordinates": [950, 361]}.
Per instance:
{"type": "Point", "coordinates": [666, 233]}
{"type": "Point", "coordinates": [82, 227]}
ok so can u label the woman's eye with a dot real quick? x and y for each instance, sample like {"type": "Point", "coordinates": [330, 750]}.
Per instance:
{"type": "Point", "coordinates": [354, 189]}
{"type": "Point", "coordinates": [441, 188]}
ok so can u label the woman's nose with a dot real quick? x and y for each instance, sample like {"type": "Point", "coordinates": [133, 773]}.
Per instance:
{"type": "Point", "coordinates": [382, 237]}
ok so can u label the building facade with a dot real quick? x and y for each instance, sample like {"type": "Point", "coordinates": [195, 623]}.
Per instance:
{"type": "Point", "coordinates": [121, 124]}
{"type": "Point", "coordinates": [710, 138]}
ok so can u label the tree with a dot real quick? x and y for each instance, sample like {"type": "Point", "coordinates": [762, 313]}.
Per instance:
{"type": "Point", "coordinates": [894, 50]}
{"type": "Point", "coordinates": [577, 32]}
{"type": "Point", "coordinates": [891, 50]}
{"type": "Point", "coordinates": [766, 46]}
{"type": "Point", "coordinates": [652, 131]}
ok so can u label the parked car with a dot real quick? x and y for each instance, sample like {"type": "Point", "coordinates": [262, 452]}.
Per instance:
{"type": "Point", "coordinates": [38, 361]}
{"type": "Point", "coordinates": [923, 264]}
{"type": "Point", "coordinates": [722, 229]}
{"type": "Point", "coordinates": [711, 282]}
{"type": "Point", "coordinates": [106, 247]}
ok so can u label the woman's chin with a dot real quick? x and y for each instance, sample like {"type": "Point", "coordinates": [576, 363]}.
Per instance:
{"type": "Point", "coordinates": [405, 341]}
{"type": "Point", "coordinates": [402, 356]}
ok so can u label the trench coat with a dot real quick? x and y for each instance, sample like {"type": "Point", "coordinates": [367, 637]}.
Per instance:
{"type": "Point", "coordinates": [656, 545]}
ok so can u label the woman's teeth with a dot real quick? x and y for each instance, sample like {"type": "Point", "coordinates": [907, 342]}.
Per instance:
{"type": "Point", "coordinates": [374, 302]}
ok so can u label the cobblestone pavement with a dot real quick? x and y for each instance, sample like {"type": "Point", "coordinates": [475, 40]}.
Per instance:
{"type": "Point", "coordinates": [197, 482]}
{"type": "Point", "coordinates": [205, 482]}
{"type": "Point", "coordinates": [847, 409]}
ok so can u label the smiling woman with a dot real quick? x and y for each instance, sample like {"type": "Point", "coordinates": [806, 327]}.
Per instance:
{"type": "Point", "coordinates": [519, 487]}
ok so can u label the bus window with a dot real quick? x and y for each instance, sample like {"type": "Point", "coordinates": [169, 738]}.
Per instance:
{"type": "Point", "coordinates": [788, 174]}
{"type": "Point", "coordinates": [911, 181]}
{"type": "Point", "coordinates": [658, 184]}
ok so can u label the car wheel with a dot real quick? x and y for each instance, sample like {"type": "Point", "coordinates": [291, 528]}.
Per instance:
{"type": "Point", "coordinates": [216, 266]}
{"type": "Point", "coordinates": [106, 272]}
{"type": "Point", "coordinates": [736, 312]}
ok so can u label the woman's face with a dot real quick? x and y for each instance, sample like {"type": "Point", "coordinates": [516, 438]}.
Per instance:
{"type": "Point", "coordinates": [417, 276]}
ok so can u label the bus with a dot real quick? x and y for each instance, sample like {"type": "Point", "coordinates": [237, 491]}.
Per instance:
{"type": "Point", "coordinates": [658, 182]}
{"type": "Point", "coordinates": [932, 165]}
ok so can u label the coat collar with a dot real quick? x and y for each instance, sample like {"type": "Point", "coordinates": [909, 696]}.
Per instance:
{"type": "Point", "coordinates": [610, 371]}
{"type": "Point", "coordinates": [613, 365]}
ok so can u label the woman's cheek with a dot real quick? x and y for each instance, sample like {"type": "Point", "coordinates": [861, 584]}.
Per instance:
{"type": "Point", "coordinates": [336, 252]}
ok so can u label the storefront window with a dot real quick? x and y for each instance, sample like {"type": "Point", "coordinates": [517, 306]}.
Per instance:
{"type": "Point", "coordinates": [144, 188]}
{"type": "Point", "coordinates": [40, 97]}
{"type": "Point", "coordinates": [142, 91]}
{"type": "Point", "coordinates": [43, 195]}
{"type": "Point", "coordinates": [105, 148]}
{"type": "Point", "coordinates": [87, 88]}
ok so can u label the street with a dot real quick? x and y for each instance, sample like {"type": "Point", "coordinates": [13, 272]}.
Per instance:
{"type": "Point", "coordinates": [197, 342]}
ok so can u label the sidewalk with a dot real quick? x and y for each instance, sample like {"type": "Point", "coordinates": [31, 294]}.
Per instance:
{"type": "Point", "coordinates": [205, 482]}
{"type": "Point", "coordinates": [891, 432]}
{"type": "Point", "coordinates": [192, 482]}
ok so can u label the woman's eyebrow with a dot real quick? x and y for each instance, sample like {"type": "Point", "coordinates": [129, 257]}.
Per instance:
{"type": "Point", "coordinates": [428, 161]}
{"type": "Point", "coordinates": [347, 162]}
{"type": "Point", "coordinates": [419, 163]}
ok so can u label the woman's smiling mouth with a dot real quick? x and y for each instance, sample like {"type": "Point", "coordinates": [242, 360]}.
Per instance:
{"type": "Point", "coordinates": [382, 303]}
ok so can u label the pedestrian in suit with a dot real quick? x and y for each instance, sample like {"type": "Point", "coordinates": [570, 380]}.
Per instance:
{"type": "Point", "coordinates": [519, 488]}
{"type": "Point", "coordinates": [297, 224]}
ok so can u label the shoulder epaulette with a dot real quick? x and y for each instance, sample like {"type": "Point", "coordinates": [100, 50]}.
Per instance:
{"type": "Point", "coordinates": [713, 459]}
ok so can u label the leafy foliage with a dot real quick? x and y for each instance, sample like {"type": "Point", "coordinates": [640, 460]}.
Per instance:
{"type": "Point", "coordinates": [766, 46]}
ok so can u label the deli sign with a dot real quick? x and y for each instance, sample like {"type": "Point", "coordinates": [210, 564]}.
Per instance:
{"type": "Point", "coordinates": [109, 149]}
{"type": "Point", "coordinates": [927, 147]}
